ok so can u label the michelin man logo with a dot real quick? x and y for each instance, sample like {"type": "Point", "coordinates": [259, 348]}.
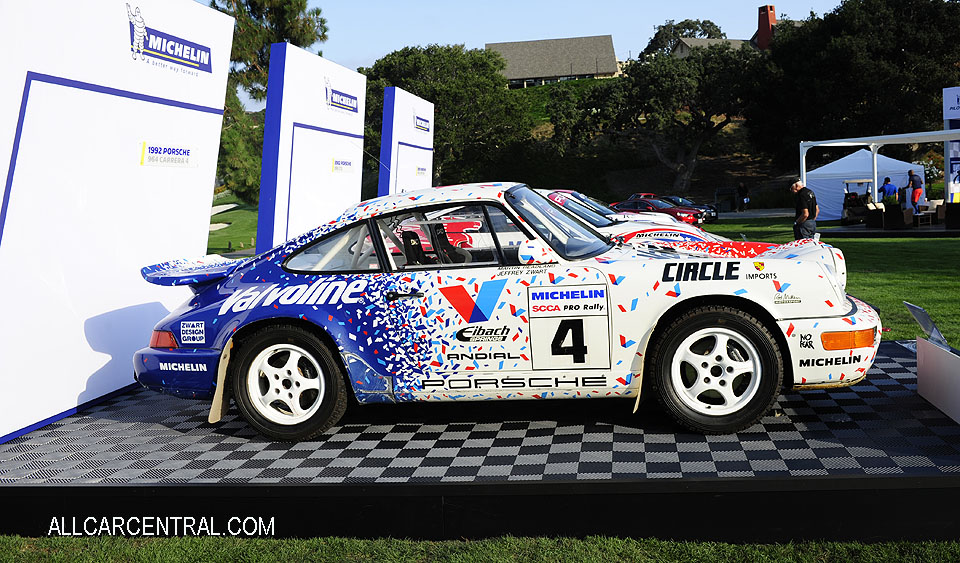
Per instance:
{"type": "Point", "coordinates": [139, 32]}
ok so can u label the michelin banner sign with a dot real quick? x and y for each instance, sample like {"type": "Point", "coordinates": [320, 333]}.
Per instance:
{"type": "Point", "coordinates": [312, 144]}
{"type": "Point", "coordinates": [406, 148]}
{"type": "Point", "coordinates": [110, 116]}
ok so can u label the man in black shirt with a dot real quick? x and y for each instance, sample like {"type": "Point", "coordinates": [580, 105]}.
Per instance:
{"type": "Point", "coordinates": [805, 222]}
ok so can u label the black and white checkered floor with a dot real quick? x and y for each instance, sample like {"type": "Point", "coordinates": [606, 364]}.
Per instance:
{"type": "Point", "coordinates": [878, 427]}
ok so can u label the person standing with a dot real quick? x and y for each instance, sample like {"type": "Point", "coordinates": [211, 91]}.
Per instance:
{"type": "Point", "coordinates": [743, 196]}
{"type": "Point", "coordinates": [915, 183]}
{"type": "Point", "coordinates": [805, 222]}
{"type": "Point", "coordinates": [887, 189]}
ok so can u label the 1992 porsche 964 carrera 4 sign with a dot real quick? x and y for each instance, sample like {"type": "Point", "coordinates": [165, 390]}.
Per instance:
{"type": "Point", "coordinates": [492, 292]}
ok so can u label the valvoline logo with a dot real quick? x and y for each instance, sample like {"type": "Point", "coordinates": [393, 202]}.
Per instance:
{"type": "Point", "coordinates": [148, 42]}
{"type": "Point", "coordinates": [475, 310]}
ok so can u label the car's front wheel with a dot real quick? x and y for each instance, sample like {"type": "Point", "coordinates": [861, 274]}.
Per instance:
{"type": "Point", "coordinates": [288, 384]}
{"type": "Point", "coordinates": [716, 369]}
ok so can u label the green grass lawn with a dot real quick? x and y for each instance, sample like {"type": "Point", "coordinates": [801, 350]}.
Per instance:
{"type": "Point", "coordinates": [883, 272]}
{"type": "Point", "coordinates": [499, 549]}
{"type": "Point", "coordinates": [243, 226]}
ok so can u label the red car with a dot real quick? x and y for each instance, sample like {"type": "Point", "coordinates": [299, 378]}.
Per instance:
{"type": "Point", "coordinates": [685, 214]}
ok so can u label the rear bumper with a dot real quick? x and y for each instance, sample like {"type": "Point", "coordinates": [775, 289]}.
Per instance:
{"type": "Point", "coordinates": [183, 372]}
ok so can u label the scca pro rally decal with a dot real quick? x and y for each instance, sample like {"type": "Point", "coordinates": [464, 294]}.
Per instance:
{"type": "Point", "coordinates": [321, 293]}
{"type": "Point", "coordinates": [576, 300]}
{"type": "Point", "coordinates": [700, 271]}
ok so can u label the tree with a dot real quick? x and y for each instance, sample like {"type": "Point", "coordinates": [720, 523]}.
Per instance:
{"type": "Point", "coordinates": [675, 105]}
{"type": "Point", "coordinates": [665, 40]}
{"type": "Point", "coordinates": [258, 24]}
{"type": "Point", "coordinates": [870, 67]}
{"type": "Point", "coordinates": [475, 119]}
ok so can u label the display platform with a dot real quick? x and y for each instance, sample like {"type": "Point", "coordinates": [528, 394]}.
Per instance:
{"type": "Point", "coordinates": [877, 427]}
{"type": "Point", "coordinates": [870, 462]}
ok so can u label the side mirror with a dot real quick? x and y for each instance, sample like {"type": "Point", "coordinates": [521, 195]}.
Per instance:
{"type": "Point", "coordinates": [536, 252]}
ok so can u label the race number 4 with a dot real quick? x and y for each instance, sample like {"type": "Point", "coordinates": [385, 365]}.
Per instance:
{"type": "Point", "coordinates": [570, 343]}
{"type": "Point", "coordinates": [577, 348]}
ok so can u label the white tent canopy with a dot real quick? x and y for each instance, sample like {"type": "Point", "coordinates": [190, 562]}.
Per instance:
{"type": "Point", "coordinates": [827, 182]}
{"type": "Point", "coordinates": [875, 143]}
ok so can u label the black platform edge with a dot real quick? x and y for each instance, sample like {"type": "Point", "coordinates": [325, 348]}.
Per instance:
{"type": "Point", "coordinates": [733, 510]}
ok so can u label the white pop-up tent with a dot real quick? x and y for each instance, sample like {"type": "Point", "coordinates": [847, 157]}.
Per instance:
{"type": "Point", "coordinates": [827, 182]}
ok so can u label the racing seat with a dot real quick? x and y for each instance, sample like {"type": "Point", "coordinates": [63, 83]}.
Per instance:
{"type": "Point", "coordinates": [450, 254]}
{"type": "Point", "coordinates": [413, 250]}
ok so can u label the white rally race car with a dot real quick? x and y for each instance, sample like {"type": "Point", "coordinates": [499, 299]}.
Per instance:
{"type": "Point", "coordinates": [491, 292]}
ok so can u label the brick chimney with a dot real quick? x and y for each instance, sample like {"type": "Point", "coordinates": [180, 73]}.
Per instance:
{"type": "Point", "coordinates": [765, 22]}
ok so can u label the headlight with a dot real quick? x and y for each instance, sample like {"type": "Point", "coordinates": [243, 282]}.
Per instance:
{"type": "Point", "coordinates": [679, 214]}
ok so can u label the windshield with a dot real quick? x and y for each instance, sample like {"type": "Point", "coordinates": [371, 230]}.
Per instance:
{"type": "Point", "coordinates": [684, 201]}
{"type": "Point", "coordinates": [570, 238]}
{"type": "Point", "coordinates": [578, 209]}
{"type": "Point", "coordinates": [659, 203]}
{"type": "Point", "coordinates": [595, 205]}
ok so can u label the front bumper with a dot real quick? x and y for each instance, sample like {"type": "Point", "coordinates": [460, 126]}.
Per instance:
{"type": "Point", "coordinates": [183, 372]}
{"type": "Point", "coordinates": [813, 366]}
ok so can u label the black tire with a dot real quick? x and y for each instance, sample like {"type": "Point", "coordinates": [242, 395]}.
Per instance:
{"type": "Point", "coordinates": [276, 345]}
{"type": "Point", "coordinates": [713, 397]}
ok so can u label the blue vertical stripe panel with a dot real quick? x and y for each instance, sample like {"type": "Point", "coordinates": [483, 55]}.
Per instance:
{"type": "Point", "coordinates": [267, 211]}
{"type": "Point", "coordinates": [386, 141]}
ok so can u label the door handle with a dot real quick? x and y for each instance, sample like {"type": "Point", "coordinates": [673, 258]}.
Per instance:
{"type": "Point", "coordinates": [393, 295]}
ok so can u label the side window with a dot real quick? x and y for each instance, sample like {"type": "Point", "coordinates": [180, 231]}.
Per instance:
{"type": "Point", "coordinates": [350, 250]}
{"type": "Point", "coordinates": [454, 236]}
{"type": "Point", "coordinates": [508, 234]}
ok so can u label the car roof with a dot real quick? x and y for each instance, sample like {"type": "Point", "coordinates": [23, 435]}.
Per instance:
{"type": "Point", "coordinates": [427, 196]}
{"type": "Point", "coordinates": [486, 191]}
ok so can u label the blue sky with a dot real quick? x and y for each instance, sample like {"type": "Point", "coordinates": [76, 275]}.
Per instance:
{"type": "Point", "coordinates": [362, 31]}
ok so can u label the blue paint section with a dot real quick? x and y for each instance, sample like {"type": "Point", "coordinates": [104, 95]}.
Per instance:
{"type": "Point", "coordinates": [386, 141]}
{"type": "Point", "coordinates": [411, 145]}
{"type": "Point", "coordinates": [267, 209]}
{"type": "Point", "coordinates": [81, 407]}
{"type": "Point", "coordinates": [487, 299]}
{"type": "Point", "coordinates": [76, 84]}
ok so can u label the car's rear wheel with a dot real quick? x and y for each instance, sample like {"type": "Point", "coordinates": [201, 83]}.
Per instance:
{"type": "Point", "coordinates": [288, 385]}
{"type": "Point", "coordinates": [716, 369]}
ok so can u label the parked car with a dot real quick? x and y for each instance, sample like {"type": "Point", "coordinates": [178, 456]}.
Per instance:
{"type": "Point", "coordinates": [685, 214]}
{"type": "Point", "coordinates": [710, 212]}
{"type": "Point", "coordinates": [627, 226]}
{"type": "Point", "coordinates": [535, 305]}
{"type": "Point", "coordinates": [691, 239]}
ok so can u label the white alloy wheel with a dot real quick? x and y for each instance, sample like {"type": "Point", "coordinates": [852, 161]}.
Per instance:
{"type": "Point", "coordinates": [285, 384]}
{"type": "Point", "coordinates": [716, 371]}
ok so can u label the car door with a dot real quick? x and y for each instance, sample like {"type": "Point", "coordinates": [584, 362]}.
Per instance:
{"type": "Point", "coordinates": [476, 322]}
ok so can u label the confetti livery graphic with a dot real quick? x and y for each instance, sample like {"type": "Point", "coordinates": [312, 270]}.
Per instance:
{"type": "Point", "coordinates": [473, 332]}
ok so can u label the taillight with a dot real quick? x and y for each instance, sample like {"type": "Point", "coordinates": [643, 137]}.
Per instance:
{"type": "Point", "coordinates": [162, 339]}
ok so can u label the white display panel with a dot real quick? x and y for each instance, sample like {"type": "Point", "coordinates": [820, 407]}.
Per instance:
{"type": "Point", "coordinates": [312, 144]}
{"type": "Point", "coordinates": [113, 156]}
{"type": "Point", "coordinates": [406, 143]}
